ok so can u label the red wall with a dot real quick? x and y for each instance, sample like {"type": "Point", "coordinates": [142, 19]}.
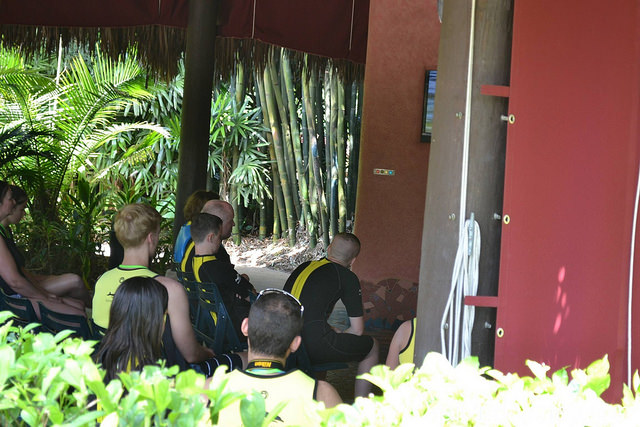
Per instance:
{"type": "Point", "coordinates": [571, 171]}
{"type": "Point", "coordinates": [402, 43]}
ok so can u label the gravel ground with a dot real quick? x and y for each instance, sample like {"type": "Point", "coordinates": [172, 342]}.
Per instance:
{"type": "Point", "coordinates": [277, 255]}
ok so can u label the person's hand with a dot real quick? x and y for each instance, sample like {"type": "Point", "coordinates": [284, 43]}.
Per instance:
{"type": "Point", "coordinates": [54, 298]}
{"type": "Point", "coordinates": [209, 352]}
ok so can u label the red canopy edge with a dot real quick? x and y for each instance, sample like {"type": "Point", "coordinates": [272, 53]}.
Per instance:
{"type": "Point", "coordinates": [334, 29]}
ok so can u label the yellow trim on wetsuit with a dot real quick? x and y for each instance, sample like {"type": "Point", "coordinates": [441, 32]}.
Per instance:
{"type": "Point", "coordinates": [296, 290]}
{"type": "Point", "coordinates": [197, 263]}
{"type": "Point", "coordinates": [190, 248]}
{"type": "Point", "coordinates": [406, 354]}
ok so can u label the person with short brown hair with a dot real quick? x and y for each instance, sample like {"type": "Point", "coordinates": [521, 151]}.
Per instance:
{"type": "Point", "coordinates": [193, 206]}
{"type": "Point", "coordinates": [206, 231]}
{"type": "Point", "coordinates": [273, 329]}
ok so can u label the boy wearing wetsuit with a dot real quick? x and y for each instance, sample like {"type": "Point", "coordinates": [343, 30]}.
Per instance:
{"type": "Point", "coordinates": [206, 231]}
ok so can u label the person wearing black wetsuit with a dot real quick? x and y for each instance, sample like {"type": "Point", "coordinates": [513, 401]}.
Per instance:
{"type": "Point", "coordinates": [319, 285]}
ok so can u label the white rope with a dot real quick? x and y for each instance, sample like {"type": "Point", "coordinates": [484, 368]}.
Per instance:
{"type": "Point", "coordinates": [632, 253]}
{"type": "Point", "coordinates": [460, 269]}
{"type": "Point", "coordinates": [458, 319]}
{"type": "Point", "coordinates": [470, 288]}
{"type": "Point", "coordinates": [353, 8]}
{"type": "Point", "coordinates": [253, 24]}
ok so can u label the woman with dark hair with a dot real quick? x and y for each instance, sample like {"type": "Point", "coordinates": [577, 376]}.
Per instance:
{"type": "Point", "coordinates": [13, 281]}
{"type": "Point", "coordinates": [63, 285]}
{"type": "Point", "coordinates": [139, 332]}
{"type": "Point", "coordinates": [136, 324]}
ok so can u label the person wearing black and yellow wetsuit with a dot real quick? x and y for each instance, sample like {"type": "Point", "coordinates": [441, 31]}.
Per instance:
{"type": "Point", "coordinates": [207, 268]}
{"type": "Point", "coordinates": [273, 330]}
{"type": "Point", "coordinates": [319, 285]}
{"type": "Point", "coordinates": [192, 206]}
{"type": "Point", "coordinates": [402, 344]}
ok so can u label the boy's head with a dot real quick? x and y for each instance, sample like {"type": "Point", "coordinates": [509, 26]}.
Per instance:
{"type": "Point", "coordinates": [206, 230]}
{"type": "Point", "coordinates": [134, 223]}
{"type": "Point", "coordinates": [274, 324]}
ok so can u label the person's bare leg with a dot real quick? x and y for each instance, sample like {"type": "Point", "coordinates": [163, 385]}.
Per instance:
{"type": "Point", "coordinates": [58, 306]}
{"type": "Point", "coordinates": [363, 387]}
{"type": "Point", "coordinates": [66, 285]}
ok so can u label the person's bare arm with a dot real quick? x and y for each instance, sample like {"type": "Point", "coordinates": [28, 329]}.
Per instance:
{"type": "Point", "coordinates": [10, 273]}
{"type": "Point", "coordinates": [398, 342]}
{"type": "Point", "coordinates": [181, 327]}
{"type": "Point", "coordinates": [357, 326]}
{"type": "Point", "coordinates": [327, 394]}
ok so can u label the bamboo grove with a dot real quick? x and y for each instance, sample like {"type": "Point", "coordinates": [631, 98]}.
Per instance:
{"type": "Point", "coordinates": [283, 146]}
{"type": "Point", "coordinates": [312, 113]}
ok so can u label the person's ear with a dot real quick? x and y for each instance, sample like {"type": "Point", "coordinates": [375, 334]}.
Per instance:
{"type": "Point", "coordinates": [295, 343]}
{"type": "Point", "coordinates": [151, 238]}
{"type": "Point", "coordinates": [244, 327]}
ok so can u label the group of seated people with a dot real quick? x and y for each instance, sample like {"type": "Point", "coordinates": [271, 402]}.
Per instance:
{"type": "Point", "coordinates": [146, 316]}
{"type": "Point", "coordinates": [64, 293]}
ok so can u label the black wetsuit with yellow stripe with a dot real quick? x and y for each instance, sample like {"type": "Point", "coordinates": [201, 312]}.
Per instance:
{"type": "Point", "coordinates": [186, 264]}
{"type": "Point", "coordinates": [319, 285]}
{"type": "Point", "coordinates": [232, 286]}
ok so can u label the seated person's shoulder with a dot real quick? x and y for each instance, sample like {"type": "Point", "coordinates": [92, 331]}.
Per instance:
{"type": "Point", "coordinates": [169, 283]}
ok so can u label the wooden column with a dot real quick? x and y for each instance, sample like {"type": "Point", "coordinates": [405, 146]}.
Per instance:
{"type": "Point", "coordinates": [196, 103]}
{"type": "Point", "coordinates": [486, 166]}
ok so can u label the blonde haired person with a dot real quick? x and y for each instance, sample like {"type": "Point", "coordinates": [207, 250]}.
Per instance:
{"type": "Point", "coordinates": [137, 227]}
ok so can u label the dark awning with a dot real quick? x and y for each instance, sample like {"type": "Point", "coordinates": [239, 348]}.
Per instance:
{"type": "Point", "coordinates": [330, 28]}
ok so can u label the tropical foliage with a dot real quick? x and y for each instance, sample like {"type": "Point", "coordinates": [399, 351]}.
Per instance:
{"type": "Point", "coordinates": [83, 134]}
{"type": "Point", "coordinates": [50, 380]}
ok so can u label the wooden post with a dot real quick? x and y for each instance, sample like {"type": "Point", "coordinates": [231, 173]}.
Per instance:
{"type": "Point", "coordinates": [486, 166]}
{"type": "Point", "coordinates": [196, 103]}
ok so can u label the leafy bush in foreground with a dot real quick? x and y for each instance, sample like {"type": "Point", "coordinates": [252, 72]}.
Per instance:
{"type": "Point", "coordinates": [51, 380]}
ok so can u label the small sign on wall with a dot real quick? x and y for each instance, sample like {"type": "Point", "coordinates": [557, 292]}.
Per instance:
{"type": "Point", "coordinates": [385, 172]}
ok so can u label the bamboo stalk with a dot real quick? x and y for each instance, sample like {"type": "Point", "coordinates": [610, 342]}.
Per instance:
{"type": "Point", "coordinates": [276, 220]}
{"type": "Point", "coordinates": [262, 230]}
{"type": "Point", "coordinates": [279, 152]}
{"type": "Point", "coordinates": [341, 156]}
{"type": "Point", "coordinates": [295, 139]}
{"type": "Point", "coordinates": [308, 88]}
{"type": "Point", "coordinates": [289, 161]}
{"type": "Point", "coordinates": [235, 156]}
{"type": "Point", "coordinates": [354, 149]}
{"type": "Point", "coordinates": [332, 155]}
{"type": "Point", "coordinates": [278, 196]}
{"type": "Point", "coordinates": [312, 221]}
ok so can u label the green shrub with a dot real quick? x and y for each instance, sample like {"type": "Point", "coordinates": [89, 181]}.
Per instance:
{"type": "Point", "coordinates": [52, 380]}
